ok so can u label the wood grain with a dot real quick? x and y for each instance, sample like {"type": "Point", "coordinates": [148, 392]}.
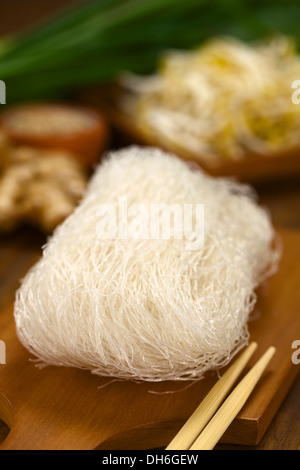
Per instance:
{"type": "Point", "coordinates": [62, 408]}
{"type": "Point", "coordinates": [284, 431]}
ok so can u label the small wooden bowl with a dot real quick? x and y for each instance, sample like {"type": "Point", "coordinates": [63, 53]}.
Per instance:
{"type": "Point", "coordinates": [80, 130]}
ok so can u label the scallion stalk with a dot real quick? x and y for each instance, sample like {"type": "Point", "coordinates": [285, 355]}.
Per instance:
{"type": "Point", "coordinates": [102, 38]}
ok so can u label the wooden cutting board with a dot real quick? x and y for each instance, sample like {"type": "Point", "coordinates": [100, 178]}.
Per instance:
{"type": "Point", "coordinates": [64, 408]}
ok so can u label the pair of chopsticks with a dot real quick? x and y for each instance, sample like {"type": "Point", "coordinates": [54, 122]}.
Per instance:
{"type": "Point", "coordinates": [194, 435]}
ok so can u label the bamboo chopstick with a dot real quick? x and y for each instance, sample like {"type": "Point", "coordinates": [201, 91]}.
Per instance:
{"type": "Point", "coordinates": [231, 407]}
{"type": "Point", "coordinates": [201, 416]}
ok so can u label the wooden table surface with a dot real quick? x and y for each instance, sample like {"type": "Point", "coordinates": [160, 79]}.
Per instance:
{"type": "Point", "coordinates": [19, 251]}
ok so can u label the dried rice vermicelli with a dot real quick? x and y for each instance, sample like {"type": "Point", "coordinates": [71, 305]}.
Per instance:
{"type": "Point", "coordinates": [148, 309]}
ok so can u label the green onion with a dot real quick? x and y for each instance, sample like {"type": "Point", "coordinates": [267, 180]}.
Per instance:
{"type": "Point", "coordinates": [99, 39]}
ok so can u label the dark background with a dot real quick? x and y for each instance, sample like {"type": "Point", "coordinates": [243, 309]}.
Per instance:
{"type": "Point", "coordinates": [15, 15]}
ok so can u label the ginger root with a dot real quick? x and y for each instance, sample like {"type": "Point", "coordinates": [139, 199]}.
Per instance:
{"type": "Point", "coordinates": [38, 186]}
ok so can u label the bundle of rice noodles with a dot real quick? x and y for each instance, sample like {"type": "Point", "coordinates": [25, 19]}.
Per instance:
{"type": "Point", "coordinates": [152, 277]}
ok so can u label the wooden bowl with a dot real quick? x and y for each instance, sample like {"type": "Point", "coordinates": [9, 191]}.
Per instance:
{"type": "Point", "coordinates": [81, 130]}
{"type": "Point", "coordinates": [252, 168]}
